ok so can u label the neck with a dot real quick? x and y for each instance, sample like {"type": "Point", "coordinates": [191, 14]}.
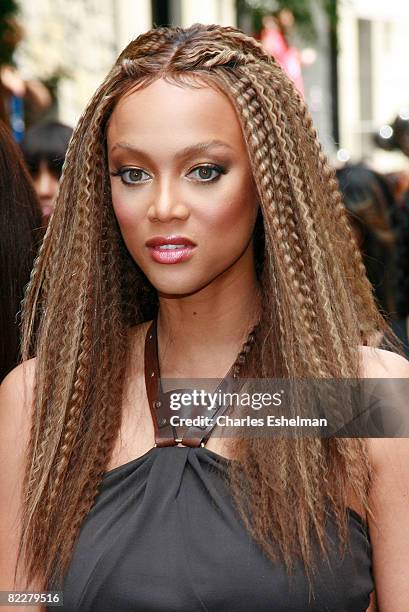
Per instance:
{"type": "Point", "coordinates": [199, 335]}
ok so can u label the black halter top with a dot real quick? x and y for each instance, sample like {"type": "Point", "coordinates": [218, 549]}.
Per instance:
{"type": "Point", "coordinates": [164, 536]}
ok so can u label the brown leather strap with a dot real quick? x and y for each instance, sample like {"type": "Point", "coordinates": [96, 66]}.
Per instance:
{"type": "Point", "coordinates": [165, 434]}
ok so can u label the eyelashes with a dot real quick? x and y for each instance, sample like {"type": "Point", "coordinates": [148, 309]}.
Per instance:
{"type": "Point", "coordinates": [205, 174]}
{"type": "Point", "coordinates": [129, 176]}
{"type": "Point", "coordinates": [208, 169]}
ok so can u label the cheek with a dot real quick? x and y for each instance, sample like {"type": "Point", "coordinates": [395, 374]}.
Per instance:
{"type": "Point", "coordinates": [129, 215]}
{"type": "Point", "coordinates": [126, 211]}
{"type": "Point", "coordinates": [233, 213]}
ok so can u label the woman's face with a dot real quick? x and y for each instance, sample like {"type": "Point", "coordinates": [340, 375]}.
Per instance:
{"type": "Point", "coordinates": [46, 185]}
{"type": "Point", "coordinates": [182, 187]}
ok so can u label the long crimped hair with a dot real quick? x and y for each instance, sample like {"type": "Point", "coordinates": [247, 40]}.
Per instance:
{"type": "Point", "coordinates": [86, 291]}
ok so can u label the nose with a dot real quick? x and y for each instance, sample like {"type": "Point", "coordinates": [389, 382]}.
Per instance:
{"type": "Point", "coordinates": [45, 184]}
{"type": "Point", "coordinates": [166, 204]}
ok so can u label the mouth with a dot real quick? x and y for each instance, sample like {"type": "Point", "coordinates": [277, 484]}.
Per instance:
{"type": "Point", "coordinates": [170, 249]}
{"type": "Point", "coordinates": [46, 210]}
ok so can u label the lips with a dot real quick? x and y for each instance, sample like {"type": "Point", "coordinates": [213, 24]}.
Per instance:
{"type": "Point", "coordinates": [170, 249]}
{"type": "Point", "coordinates": [157, 241]}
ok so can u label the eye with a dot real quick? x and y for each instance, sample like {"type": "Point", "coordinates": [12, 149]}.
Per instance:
{"type": "Point", "coordinates": [131, 176]}
{"type": "Point", "coordinates": [205, 173]}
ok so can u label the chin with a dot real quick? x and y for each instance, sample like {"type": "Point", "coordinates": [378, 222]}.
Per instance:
{"type": "Point", "coordinates": [176, 289]}
{"type": "Point", "coordinates": [180, 284]}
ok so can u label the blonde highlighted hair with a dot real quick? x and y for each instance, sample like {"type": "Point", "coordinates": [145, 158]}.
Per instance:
{"type": "Point", "coordinates": [86, 291]}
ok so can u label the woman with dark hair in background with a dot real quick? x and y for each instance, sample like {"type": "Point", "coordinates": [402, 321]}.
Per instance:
{"type": "Point", "coordinates": [396, 137]}
{"type": "Point", "coordinates": [371, 210]}
{"type": "Point", "coordinates": [44, 147]}
{"type": "Point", "coordinates": [381, 228]}
{"type": "Point", "coordinates": [20, 234]}
{"type": "Point", "coordinates": [401, 325]}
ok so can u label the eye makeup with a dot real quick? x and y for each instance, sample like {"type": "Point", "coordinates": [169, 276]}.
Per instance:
{"type": "Point", "coordinates": [131, 175]}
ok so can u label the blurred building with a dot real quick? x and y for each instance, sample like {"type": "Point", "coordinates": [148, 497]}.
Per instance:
{"type": "Point", "coordinates": [373, 79]}
{"type": "Point", "coordinates": [75, 43]}
{"type": "Point", "coordinates": [319, 82]}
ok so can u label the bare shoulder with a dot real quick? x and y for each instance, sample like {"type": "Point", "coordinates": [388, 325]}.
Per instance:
{"type": "Point", "coordinates": [378, 363]}
{"type": "Point", "coordinates": [16, 394]}
{"type": "Point", "coordinates": [22, 375]}
{"type": "Point", "coordinates": [389, 494]}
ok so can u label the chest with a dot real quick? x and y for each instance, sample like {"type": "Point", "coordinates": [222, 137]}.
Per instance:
{"type": "Point", "coordinates": [137, 435]}
{"type": "Point", "coordinates": [164, 535]}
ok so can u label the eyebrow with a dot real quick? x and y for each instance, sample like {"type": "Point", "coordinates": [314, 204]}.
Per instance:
{"type": "Point", "coordinates": [200, 147]}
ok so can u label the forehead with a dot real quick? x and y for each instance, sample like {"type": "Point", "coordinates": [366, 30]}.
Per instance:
{"type": "Point", "coordinates": [176, 114]}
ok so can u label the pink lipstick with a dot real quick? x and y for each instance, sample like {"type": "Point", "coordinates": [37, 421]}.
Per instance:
{"type": "Point", "coordinates": [170, 249]}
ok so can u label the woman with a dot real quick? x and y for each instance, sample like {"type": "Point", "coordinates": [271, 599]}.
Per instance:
{"type": "Point", "coordinates": [20, 234]}
{"type": "Point", "coordinates": [195, 204]}
{"type": "Point", "coordinates": [44, 147]}
{"type": "Point", "coordinates": [371, 208]}
{"type": "Point", "coordinates": [275, 40]}
{"type": "Point", "coordinates": [401, 325]}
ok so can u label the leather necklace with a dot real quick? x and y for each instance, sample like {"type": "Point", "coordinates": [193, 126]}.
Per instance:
{"type": "Point", "coordinates": [165, 433]}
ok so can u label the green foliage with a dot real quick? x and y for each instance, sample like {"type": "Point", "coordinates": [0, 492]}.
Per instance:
{"type": "Point", "coordinates": [8, 29]}
{"type": "Point", "coordinates": [302, 10]}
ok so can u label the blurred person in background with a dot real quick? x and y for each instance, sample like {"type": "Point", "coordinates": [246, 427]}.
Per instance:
{"type": "Point", "coordinates": [371, 207]}
{"type": "Point", "coordinates": [381, 227]}
{"type": "Point", "coordinates": [16, 89]}
{"type": "Point", "coordinates": [20, 234]}
{"type": "Point", "coordinates": [395, 136]}
{"type": "Point", "coordinates": [44, 147]}
{"type": "Point", "coordinates": [275, 38]}
{"type": "Point", "coordinates": [391, 138]}
{"type": "Point", "coordinates": [401, 324]}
